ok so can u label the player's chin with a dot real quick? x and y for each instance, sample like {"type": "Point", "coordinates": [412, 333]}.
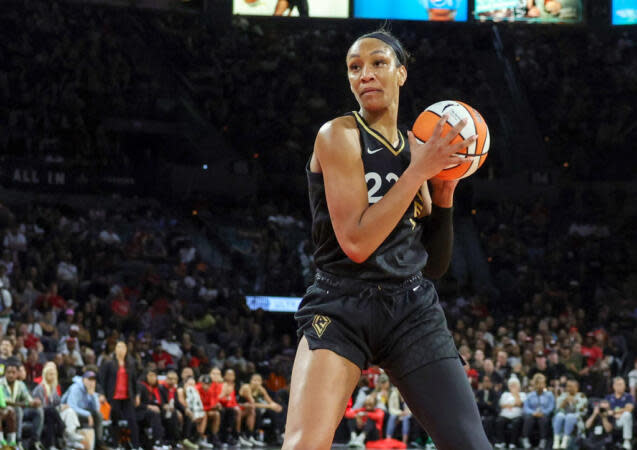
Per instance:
{"type": "Point", "coordinates": [373, 104]}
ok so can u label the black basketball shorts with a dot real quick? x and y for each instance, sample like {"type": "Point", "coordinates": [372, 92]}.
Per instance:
{"type": "Point", "coordinates": [398, 326]}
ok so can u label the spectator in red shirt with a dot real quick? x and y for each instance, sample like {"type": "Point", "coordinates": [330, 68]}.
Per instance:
{"type": "Point", "coordinates": [50, 299]}
{"type": "Point", "coordinates": [591, 351]}
{"type": "Point", "coordinates": [232, 409]}
{"type": "Point", "coordinates": [173, 412]}
{"type": "Point", "coordinates": [33, 366]}
{"type": "Point", "coordinates": [162, 358]}
{"type": "Point", "coordinates": [209, 394]}
{"type": "Point", "coordinates": [365, 424]}
{"type": "Point", "coordinates": [149, 411]}
{"type": "Point", "coordinates": [117, 377]}
{"type": "Point", "coordinates": [472, 374]}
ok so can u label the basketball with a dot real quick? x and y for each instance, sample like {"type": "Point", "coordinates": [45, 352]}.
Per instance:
{"type": "Point", "coordinates": [426, 123]}
{"type": "Point", "coordinates": [251, 2]}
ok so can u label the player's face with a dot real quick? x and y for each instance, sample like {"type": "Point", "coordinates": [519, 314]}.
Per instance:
{"type": "Point", "coordinates": [374, 77]}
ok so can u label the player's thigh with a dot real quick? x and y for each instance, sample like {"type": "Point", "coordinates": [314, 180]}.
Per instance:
{"type": "Point", "coordinates": [322, 383]}
{"type": "Point", "coordinates": [441, 399]}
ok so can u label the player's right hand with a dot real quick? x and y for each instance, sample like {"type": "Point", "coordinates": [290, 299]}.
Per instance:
{"type": "Point", "coordinates": [429, 158]}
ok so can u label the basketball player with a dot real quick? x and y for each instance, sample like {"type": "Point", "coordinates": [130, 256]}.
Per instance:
{"type": "Point", "coordinates": [288, 5]}
{"type": "Point", "coordinates": [370, 302]}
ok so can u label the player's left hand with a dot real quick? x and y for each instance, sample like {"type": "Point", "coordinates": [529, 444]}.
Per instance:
{"type": "Point", "coordinates": [442, 192]}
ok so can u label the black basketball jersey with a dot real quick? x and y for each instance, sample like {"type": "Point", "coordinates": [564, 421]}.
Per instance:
{"type": "Point", "coordinates": [402, 253]}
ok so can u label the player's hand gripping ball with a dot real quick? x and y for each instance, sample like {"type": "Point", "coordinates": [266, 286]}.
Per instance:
{"type": "Point", "coordinates": [426, 123]}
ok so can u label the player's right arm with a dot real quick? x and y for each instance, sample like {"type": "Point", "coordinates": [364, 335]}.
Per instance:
{"type": "Point", "coordinates": [361, 228]}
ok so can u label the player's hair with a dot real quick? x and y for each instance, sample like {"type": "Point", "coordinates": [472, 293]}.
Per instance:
{"type": "Point", "coordinates": [392, 41]}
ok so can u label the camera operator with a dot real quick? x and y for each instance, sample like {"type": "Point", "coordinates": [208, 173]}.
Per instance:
{"type": "Point", "coordinates": [599, 428]}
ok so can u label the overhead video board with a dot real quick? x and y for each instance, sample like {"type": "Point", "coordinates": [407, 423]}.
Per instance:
{"type": "Point", "coordinates": [292, 8]}
{"type": "Point", "coordinates": [541, 11]}
{"type": "Point", "coordinates": [434, 10]}
{"type": "Point", "coordinates": [624, 12]}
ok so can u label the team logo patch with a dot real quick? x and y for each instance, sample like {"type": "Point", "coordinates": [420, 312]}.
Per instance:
{"type": "Point", "coordinates": [320, 323]}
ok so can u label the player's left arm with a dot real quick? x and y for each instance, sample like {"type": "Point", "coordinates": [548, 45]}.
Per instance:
{"type": "Point", "coordinates": [438, 234]}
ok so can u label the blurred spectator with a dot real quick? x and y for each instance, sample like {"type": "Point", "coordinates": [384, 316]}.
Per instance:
{"type": "Point", "coordinates": [399, 413]}
{"type": "Point", "coordinates": [59, 419]}
{"type": "Point", "coordinates": [209, 393]}
{"type": "Point", "coordinates": [83, 399]}
{"type": "Point", "coordinates": [149, 409]}
{"type": "Point", "coordinates": [632, 379]}
{"type": "Point", "coordinates": [538, 406]}
{"type": "Point", "coordinates": [599, 428]}
{"type": "Point", "coordinates": [269, 414]}
{"type": "Point", "coordinates": [487, 400]}
{"type": "Point", "coordinates": [118, 378]}
{"type": "Point", "coordinates": [509, 421]}
{"type": "Point", "coordinates": [17, 396]}
{"type": "Point", "coordinates": [8, 425]}
{"type": "Point", "coordinates": [233, 412]}
{"type": "Point", "coordinates": [196, 413]}
{"type": "Point", "coordinates": [570, 409]}
{"type": "Point", "coordinates": [365, 424]}
{"type": "Point", "coordinates": [622, 405]}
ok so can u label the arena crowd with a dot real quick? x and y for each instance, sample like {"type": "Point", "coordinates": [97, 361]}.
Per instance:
{"type": "Point", "coordinates": [128, 326]}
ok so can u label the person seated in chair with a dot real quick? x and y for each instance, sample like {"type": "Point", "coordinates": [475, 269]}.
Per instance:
{"type": "Point", "coordinates": [538, 407]}
{"type": "Point", "coordinates": [26, 407]}
{"type": "Point", "coordinates": [621, 406]}
{"type": "Point", "coordinates": [365, 423]}
{"type": "Point", "coordinates": [571, 406]}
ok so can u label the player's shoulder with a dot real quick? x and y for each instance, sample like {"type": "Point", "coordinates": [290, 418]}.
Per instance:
{"type": "Point", "coordinates": [337, 135]}
{"type": "Point", "coordinates": [338, 126]}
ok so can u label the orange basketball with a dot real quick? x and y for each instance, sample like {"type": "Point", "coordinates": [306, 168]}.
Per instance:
{"type": "Point", "coordinates": [427, 120]}
{"type": "Point", "coordinates": [250, 2]}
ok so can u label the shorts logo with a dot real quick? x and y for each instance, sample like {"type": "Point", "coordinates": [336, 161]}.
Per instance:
{"type": "Point", "coordinates": [320, 323]}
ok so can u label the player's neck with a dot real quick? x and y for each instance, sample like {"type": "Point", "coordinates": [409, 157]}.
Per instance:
{"type": "Point", "coordinates": [384, 121]}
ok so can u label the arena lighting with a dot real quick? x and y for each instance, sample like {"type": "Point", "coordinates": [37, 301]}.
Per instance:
{"type": "Point", "coordinates": [205, 167]}
{"type": "Point", "coordinates": [273, 304]}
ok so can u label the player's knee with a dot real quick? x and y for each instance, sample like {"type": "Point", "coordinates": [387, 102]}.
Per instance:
{"type": "Point", "coordinates": [300, 440]}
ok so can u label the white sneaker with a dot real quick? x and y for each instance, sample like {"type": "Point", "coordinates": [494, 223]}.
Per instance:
{"type": "Point", "coordinates": [627, 445]}
{"type": "Point", "coordinates": [500, 445]}
{"type": "Point", "coordinates": [513, 446]}
{"type": "Point", "coordinates": [542, 443]}
{"type": "Point", "coordinates": [526, 443]}
{"type": "Point", "coordinates": [356, 443]}
{"type": "Point", "coordinates": [256, 442]}
{"type": "Point", "coordinates": [243, 442]}
{"type": "Point", "coordinates": [557, 441]}
{"type": "Point", "coordinates": [204, 444]}
{"type": "Point", "coordinates": [565, 441]}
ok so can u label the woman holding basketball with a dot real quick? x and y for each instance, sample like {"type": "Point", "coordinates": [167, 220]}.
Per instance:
{"type": "Point", "coordinates": [370, 302]}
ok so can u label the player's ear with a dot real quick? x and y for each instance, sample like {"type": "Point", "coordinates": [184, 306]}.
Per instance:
{"type": "Point", "coordinates": [402, 75]}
